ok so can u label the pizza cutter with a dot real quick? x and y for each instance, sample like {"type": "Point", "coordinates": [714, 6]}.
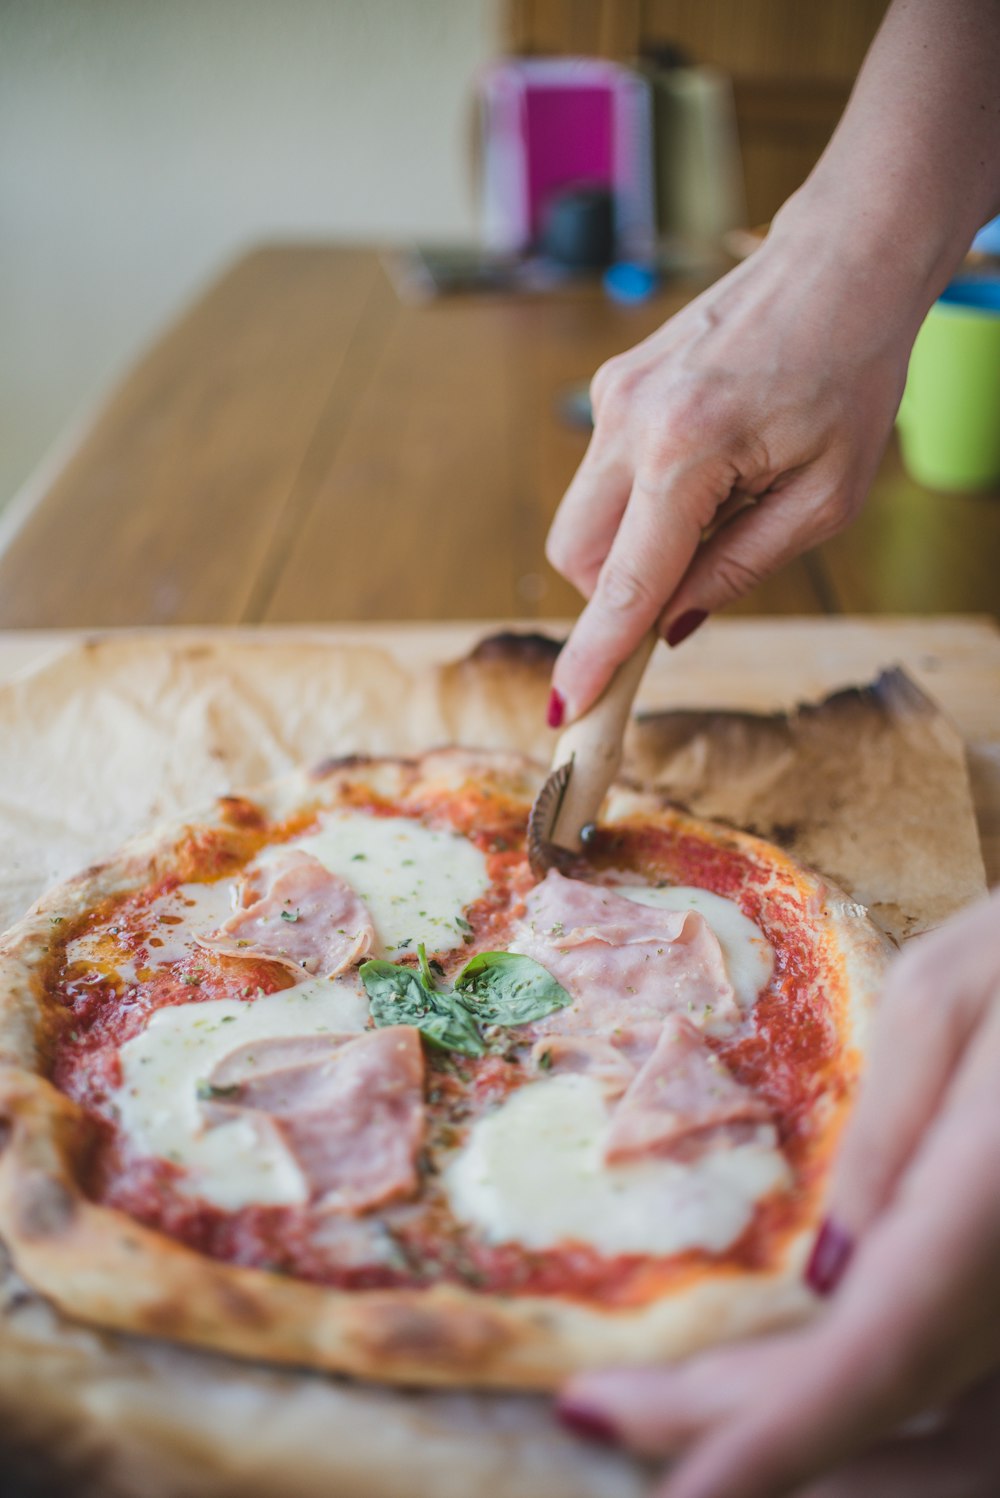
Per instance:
{"type": "Point", "coordinates": [563, 820]}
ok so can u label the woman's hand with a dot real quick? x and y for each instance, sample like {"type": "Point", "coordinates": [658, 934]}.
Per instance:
{"type": "Point", "coordinates": [776, 390]}
{"type": "Point", "coordinates": [914, 1209]}
{"type": "Point", "coordinates": [780, 383]}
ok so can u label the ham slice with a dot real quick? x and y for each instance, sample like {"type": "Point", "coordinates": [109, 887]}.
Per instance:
{"type": "Point", "coordinates": [683, 1089]}
{"type": "Point", "coordinates": [585, 1055]}
{"type": "Point", "coordinates": [302, 916]}
{"type": "Point", "coordinates": [260, 1058]}
{"type": "Point", "coordinates": [349, 1109]}
{"type": "Point", "coordinates": [623, 963]}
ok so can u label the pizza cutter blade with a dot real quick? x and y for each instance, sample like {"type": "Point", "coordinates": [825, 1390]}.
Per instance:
{"type": "Point", "coordinates": [563, 819]}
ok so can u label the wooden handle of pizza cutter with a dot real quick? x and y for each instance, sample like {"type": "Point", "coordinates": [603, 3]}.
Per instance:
{"type": "Point", "coordinates": [594, 744]}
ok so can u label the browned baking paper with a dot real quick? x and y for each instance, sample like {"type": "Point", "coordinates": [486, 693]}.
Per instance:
{"type": "Point", "coordinates": [870, 786]}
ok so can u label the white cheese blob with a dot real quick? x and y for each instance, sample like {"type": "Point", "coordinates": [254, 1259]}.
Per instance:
{"type": "Point", "coordinates": [236, 1163]}
{"type": "Point", "coordinates": [746, 951]}
{"type": "Point", "coordinates": [415, 880]}
{"type": "Point", "coordinates": [532, 1173]}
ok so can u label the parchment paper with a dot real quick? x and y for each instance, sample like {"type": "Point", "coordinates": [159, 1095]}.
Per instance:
{"type": "Point", "coordinates": [870, 786]}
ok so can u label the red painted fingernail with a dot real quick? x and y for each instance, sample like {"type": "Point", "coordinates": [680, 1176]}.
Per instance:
{"type": "Point", "coordinates": [556, 709]}
{"type": "Point", "coordinates": [830, 1257]}
{"type": "Point", "coordinates": [685, 625]}
{"type": "Point", "coordinates": [592, 1425]}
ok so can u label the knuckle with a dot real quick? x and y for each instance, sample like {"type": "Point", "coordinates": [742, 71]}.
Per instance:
{"type": "Point", "coordinates": [622, 589]}
{"type": "Point", "coordinates": [736, 575]}
{"type": "Point", "coordinates": [559, 550]}
{"type": "Point", "coordinates": [692, 427]}
{"type": "Point", "coordinates": [661, 448]}
{"type": "Point", "coordinates": [840, 508]}
{"type": "Point", "coordinates": [612, 386]}
{"type": "Point", "coordinates": [563, 553]}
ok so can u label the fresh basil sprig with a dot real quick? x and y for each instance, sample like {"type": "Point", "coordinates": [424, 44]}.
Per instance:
{"type": "Point", "coordinates": [494, 988]}
{"type": "Point", "coordinates": [510, 989]}
{"type": "Point", "coordinates": [402, 996]}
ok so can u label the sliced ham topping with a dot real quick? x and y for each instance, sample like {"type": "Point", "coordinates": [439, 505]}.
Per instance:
{"type": "Point", "coordinates": [683, 1089]}
{"type": "Point", "coordinates": [261, 1058]}
{"type": "Point", "coordinates": [296, 912]}
{"type": "Point", "coordinates": [623, 963]}
{"type": "Point", "coordinates": [349, 1109]}
{"type": "Point", "coordinates": [585, 1055]}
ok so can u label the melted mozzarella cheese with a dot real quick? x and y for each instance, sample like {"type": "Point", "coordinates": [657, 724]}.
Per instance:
{"type": "Point", "coordinates": [235, 1163]}
{"type": "Point", "coordinates": [532, 1172]}
{"type": "Point", "coordinates": [746, 951]}
{"type": "Point", "coordinates": [415, 880]}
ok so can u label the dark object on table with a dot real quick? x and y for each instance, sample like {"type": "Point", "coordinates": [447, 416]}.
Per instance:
{"type": "Point", "coordinates": [421, 272]}
{"type": "Point", "coordinates": [579, 228]}
{"type": "Point", "coordinates": [573, 407]}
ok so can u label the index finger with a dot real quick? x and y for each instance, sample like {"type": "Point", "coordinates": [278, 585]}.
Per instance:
{"type": "Point", "coordinates": [659, 534]}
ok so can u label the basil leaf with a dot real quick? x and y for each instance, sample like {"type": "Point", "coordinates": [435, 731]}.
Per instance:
{"type": "Point", "coordinates": [452, 1028]}
{"type": "Point", "coordinates": [398, 997]}
{"type": "Point", "coordinates": [506, 988]}
{"type": "Point", "coordinates": [426, 976]}
{"type": "Point", "coordinates": [207, 1092]}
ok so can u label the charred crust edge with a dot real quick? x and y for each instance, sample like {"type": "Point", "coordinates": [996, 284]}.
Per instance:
{"type": "Point", "coordinates": [532, 649]}
{"type": "Point", "coordinates": [337, 762]}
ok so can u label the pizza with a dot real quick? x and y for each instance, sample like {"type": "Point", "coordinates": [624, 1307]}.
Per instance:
{"type": "Point", "coordinates": [325, 1076]}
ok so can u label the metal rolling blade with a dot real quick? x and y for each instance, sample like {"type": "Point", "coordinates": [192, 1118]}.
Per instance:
{"type": "Point", "coordinates": [561, 828]}
{"type": "Point", "coordinates": [543, 853]}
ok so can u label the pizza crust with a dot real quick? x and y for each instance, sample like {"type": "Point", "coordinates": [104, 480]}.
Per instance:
{"type": "Point", "coordinates": [99, 1265]}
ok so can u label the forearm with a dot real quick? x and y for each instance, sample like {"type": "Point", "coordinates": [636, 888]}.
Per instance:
{"type": "Point", "coordinates": [913, 169]}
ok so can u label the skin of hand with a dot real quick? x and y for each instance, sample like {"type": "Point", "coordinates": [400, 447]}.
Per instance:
{"type": "Point", "coordinates": [914, 1325]}
{"type": "Point", "coordinates": [764, 388]}
{"type": "Point", "coordinates": [780, 383]}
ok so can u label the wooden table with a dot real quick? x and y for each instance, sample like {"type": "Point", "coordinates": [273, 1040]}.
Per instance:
{"type": "Point", "coordinates": [301, 446]}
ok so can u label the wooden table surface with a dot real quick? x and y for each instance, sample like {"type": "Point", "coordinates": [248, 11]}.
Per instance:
{"type": "Point", "coordinates": [301, 446]}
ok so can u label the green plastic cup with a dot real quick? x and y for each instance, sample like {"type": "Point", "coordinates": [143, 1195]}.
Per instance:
{"type": "Point", "coordinates": [949, 419]}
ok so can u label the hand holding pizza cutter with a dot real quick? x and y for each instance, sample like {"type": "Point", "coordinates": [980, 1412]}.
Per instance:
{"type": "Point", "coordinates": [586, 761]}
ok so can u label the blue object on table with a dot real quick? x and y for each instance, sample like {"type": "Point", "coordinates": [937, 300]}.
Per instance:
{"type": "Point", "coordinates": [630, 282]}
{"type": "Point", "coordinates": [987, 241]}
{"type": "Point", "coordinates": [980, 292]}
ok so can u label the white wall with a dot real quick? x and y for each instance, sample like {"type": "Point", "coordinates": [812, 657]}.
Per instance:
{"type": "Point", "coordinates": [145, 142]}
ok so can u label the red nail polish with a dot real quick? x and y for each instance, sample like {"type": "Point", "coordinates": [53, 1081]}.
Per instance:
{"type": "Point", "coordinates": [556, 709]}
{"type": "Point", "coordinates": [685, 625]}
{"type": "Point", "coordinates": [592, 1425]}
{"type": "Point", "coordinates": [830, 1257]}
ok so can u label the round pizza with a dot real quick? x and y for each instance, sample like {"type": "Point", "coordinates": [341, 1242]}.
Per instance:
{"type": "Point", "coordinates": [328, 1076]}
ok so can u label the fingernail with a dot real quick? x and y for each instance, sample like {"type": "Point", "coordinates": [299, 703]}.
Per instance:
{"type": "Point", "coordinates": [830, 1257]}
{"type": "Point", "coordinates": [592, 1425]}
{"type": "Point", "coordinates": [685, 625]}
{"type": "Point", "coordinates": [556, 709]}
